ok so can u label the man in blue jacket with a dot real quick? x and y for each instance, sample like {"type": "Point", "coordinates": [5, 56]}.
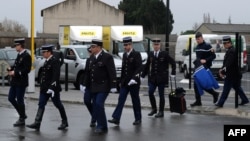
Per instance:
{"type": "Point", "coordinates": [204, 56]}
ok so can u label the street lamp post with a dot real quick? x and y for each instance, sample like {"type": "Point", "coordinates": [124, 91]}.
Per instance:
{"type": "Point", "coordinates": [31, 87]}
{"type": "Point", "coordinates": [32, 30]}
{"type": "Point", "coordinates": [167, 26]}
{"type": "Point", "coordinates": [167, 36]}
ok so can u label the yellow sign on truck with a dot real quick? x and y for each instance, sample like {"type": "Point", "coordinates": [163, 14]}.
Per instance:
{"type": "Point", "coordinates": [106, 37]}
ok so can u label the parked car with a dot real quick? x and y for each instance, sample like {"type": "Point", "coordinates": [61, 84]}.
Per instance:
{"type": "Point", "coordinates": [7, 58]}
{"type": "Point", "coordinates": [76, 64]}
{"type": "Point", "coordinates": [9, 55]}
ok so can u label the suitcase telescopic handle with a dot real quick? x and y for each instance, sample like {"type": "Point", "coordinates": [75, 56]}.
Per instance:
{"type": "Point", "coordinates": [172, 82]}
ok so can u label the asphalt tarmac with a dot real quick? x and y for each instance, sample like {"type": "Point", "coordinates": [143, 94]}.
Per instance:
{"type": "Point", "coordinates": [173, 127]}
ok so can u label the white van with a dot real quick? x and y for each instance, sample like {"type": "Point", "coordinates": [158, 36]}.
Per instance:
{"type": "Point", "coordinates": [216, 43]}
{"type": "Point", "coordinates": [182, 47]}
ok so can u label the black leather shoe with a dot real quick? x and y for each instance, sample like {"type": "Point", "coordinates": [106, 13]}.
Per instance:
{"type": "Point", "coordinates": [19, 122]}
{"type": "Point", "coordinates": [114, 121]}
{"type": "Point", "coordinates": [137, 122]}
{"type": "Point", "coordinates": [216, 95]}
{"type": "Point", "coordinates": [63, 126]}
{"type": "Point", "coordinates": [152, 113]}
{"type": "Point", "coordinates": [92, 124]}
{"type": "Point", "coordinates": [218, 105]}
{"type": "Point", "coordinates": [243, 103]}
{"type": "Point", "coordinates": [35, 125]}
{"type": "Point", "coordinates": [159, 115]}
{"type": "Point", "coordinates": [101, 131]}
{"type": "Point", "coordinates": [196, 104]}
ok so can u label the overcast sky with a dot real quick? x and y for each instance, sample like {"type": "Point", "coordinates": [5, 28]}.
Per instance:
{"type": "Point", "coordinates": [186, 12]}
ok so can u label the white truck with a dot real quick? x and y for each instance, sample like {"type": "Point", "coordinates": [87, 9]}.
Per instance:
{"type": "Point", "coordinates": [76, 39]}
{"type": "Point", "coordinates": [71, 35]}
{"type": "Point", "coordinates": [113, 35]}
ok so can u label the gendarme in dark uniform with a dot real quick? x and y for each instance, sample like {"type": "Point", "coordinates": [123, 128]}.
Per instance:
{"type": "Point", "coordinates": [57, 53]}
{"type": "Point", "coordinates": [100, 79]}
{"type": "Point", "coordinates": [130, 82]}
{"type": "Point", "coordinates": [18, 74]}
{"type": "Point", "coordinates": [157, 70]}
{"type": "Point", "coordinates": [50, 88]}
{"type": "Point", "coordinates": [84, 88]}
{"type": "Point", "coordinates": [231, 74]}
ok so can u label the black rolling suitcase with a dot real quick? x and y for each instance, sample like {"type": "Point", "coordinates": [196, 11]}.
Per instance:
{"type": "Point", "coordinates": [177, 101]}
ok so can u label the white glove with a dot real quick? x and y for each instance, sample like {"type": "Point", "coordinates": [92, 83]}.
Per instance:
{"type": "Point", "coordinates": [51, 92]}
{"type": "Point", "coordinates": [142, 79]}
{"type": "Point", "coordinates": [82, 88]}
{"type": "Point", "coordinates": [132, 82]}
{"type": "Point", "coordinates": [172, 76]}
{"type": "Point", "coordinates": [113, 90]}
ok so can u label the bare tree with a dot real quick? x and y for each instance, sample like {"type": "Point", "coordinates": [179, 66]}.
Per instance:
{"type": "Point", "coordinates": [12, 26]}
{"type": "Point", "coordinates": [206, 18]}
{"type": "Point", "coordinates": [1, 27]}
{"type": "Point", "coordinates": [229, 20]}
{"type": "Point", "coordinates": [196, 26]}
{"type": "Point", "coordinates": [214, 21]}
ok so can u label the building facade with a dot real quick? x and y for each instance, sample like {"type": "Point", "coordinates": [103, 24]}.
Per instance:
{"type": "Point", "coordinates": [80, 12]}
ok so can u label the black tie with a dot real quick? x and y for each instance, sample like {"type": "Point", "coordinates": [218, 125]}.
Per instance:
{"type": "Point", "coordinates": [45, 62]}
{"type": "Point", "coordinates": [18, 55]}
{"type": "Point", "coordinates": [155, 54]}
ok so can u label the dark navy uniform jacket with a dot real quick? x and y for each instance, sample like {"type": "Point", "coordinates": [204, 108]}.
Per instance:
{"type": "Point", "coordinates": [100, 73]}
{"type": "Point", "coordinates": [203, 51]}
{"type": "Point", "coordinates": [230, 68]}
{"type": "Point", "coordinates": [59, 55]}
{"type": "Point", "coordinates": [131, 68]}
{"type": "Point", "coordinates": [156, 67]}
{"type": "Point", "coordinates": [50, 76]}
{"type": "Point", "coordinates": [86, 79]}
{"type": "Point", "coordinates": [21, 68]}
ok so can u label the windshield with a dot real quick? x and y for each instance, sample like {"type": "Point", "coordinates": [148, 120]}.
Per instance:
{"type": "Point", "coordinates": [138, 46]}
{"type": "Point", "coordinates": [11, 54]}
{"type": "Point", "coordinates": [82, 53]}
{"type": "Point", "coordinates": [217, 44]}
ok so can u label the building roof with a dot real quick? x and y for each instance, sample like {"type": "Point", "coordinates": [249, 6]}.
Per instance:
{"type": "Point", "coordinates": [74, 1]}
{"type": "Point", "coordinates": [217, 27]}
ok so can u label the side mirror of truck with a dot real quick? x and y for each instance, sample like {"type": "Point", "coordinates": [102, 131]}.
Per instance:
{"type": "Point", "coordinates": [115, 48]}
